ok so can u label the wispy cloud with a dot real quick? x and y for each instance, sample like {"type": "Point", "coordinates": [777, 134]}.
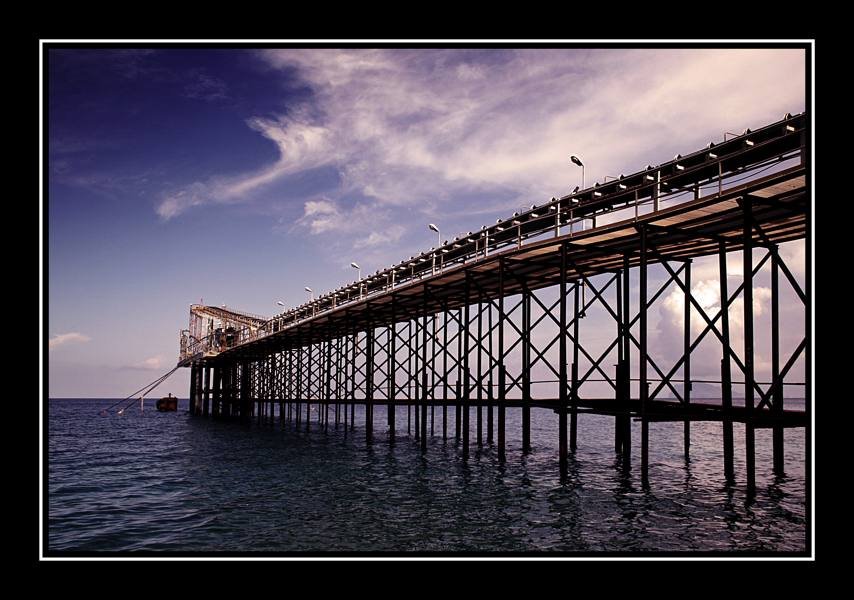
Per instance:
{"type": "Point", "coordinates": [389, 235]}
{"type": "Point", "coordinates": [301, 146]}
{"type": "Point", "coordinates": [325, 215]}
{"type": "Point", "coordinates": [67, 338]}
{"type": "Point", "coordinates": [417, 130]}
{"type": "Point", "coordinates": [322, 215]}
{"type": "Point", "coordinates": [149, 364]}
{"type": "Point", "coordinates": [202, 86]}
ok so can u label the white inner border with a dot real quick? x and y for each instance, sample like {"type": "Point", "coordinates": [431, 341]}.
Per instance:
{"type": "Point", "coordinates": [809, 290]}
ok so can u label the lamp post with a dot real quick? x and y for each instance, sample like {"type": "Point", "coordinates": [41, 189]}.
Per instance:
{"type": "Point", "coordinates": [438, 234]}
{"type": "Point", "coordinates": [578, 162]}
{"type": "Point", "coordinates": [433, 227]}
{"type": "Point", "coordinates": [277, 322]}
{"type": "Point", "coordinates": [359, 269]}
{"type": "Point", "coordinates": [313, 307]}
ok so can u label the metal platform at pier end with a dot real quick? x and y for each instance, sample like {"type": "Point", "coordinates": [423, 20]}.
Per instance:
{"type": "Point", "coordinates": [455, 326]}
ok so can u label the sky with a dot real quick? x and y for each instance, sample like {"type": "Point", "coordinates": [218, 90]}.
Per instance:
{"type": "Point", "coordinates": [239, 176]}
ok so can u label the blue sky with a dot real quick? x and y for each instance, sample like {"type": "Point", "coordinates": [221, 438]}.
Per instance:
{"type": "Point", "coordinates": [240, 176]}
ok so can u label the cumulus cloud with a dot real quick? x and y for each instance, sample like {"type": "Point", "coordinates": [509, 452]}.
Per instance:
{"type": "Point", "coordinates": [414, 128]}
{"type": "Point", "coordinates": [67, 338]}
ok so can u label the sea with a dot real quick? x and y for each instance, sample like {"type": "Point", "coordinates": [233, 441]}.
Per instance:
{"type": "Point", "coordinates": [167, 482]}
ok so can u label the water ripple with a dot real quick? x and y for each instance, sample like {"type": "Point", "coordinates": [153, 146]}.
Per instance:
{"type": "Point", "coordinates": [165, 481]}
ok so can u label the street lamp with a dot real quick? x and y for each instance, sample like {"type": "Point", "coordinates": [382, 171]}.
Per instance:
{"type": "Point", "coordinates": [280, 303]}
{"type": "Point", "coordinates": [578, 162]}
{"type": "Point", "coordinates": [310, 291]}
{"type": "Point", "coordinates": [438, 233]}
{"type": "Point", "coordinates": [359, 269]}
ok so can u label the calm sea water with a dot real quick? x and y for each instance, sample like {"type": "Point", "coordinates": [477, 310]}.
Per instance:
{"type": "Point", "coordinates": [168, 481]}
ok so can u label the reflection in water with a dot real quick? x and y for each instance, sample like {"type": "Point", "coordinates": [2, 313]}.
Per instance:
{"type": "Point", "coordinates": [165, 481]}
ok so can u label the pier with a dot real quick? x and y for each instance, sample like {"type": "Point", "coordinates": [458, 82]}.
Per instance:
{"type": "Point", "coordinates": [469, 327]}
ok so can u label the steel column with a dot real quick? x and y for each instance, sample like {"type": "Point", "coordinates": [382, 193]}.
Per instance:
{"type": "Point", "coordinates": [328, 385]}
{"type": "Point", "coordinates": [644, 389]}
{"type": "Point", "coordinates": [776, 383]}
{"type": "Point", "coordinates": [564, 399]}
{"type": "Point", "coordinates": [747, 264]}
{"type": "Point", "coordinates": [490, 394]}
{"type": "Point", "coordinates": [501, 369]}
{"type": "Point", "coordinates": [433, 379]}
{"type": "Point", "coordinates": [206, 399]}
{"type": "Point", "coordinates": [726, 374]}
{"type": "Point", "coordinates": [298, 407]}
{"type": "Point", "coordinates": [424, 396]}
{"type": "Point", "coordinates": [392, 374]}
{"type": "Point", "coordinates": [416, 381]}
{"type": "Point", "coordinates": [244, 391]}
{"type": "Point", "coordinates": [626, 423]}
{"type": "Point", "coordinates": [466, 373]}
{"type": "Point", "coordinates": [194, 372]}
{"type": "Point", "coordinates": [369, 384]}
{"type": "Point", "coordinates": [458, 425]}
{"type": "Point", "coordinates": [353, 381]}
{"type": "Point", "coordinates": [445, 374]}
{"type": "Point", "coordinates": [573, 421]}
{"type": "Point", "coordinates": [686, 353]}
{"type": "Point", "coordinates": [479, 378]}
{"type": "Point", "coordinates": [310, 374]}
{"type": "Point", "coordinates": [217, 390]}
{"type": "Point", "coordinates": [619, 394]}
{"type": "Point", "coordinates": [526, 370]}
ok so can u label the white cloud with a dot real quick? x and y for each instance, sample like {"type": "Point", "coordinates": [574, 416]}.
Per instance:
{"type": "Point", "coordinates": [149, 364]}
{"type": "Point", "coordinates": [67, 338]}
{"type": "Point", "coordinates": [379, 238]}
{"type": "Point", "coordinates": [321, 216]}
{"type": "Point", "coordinates": [324, 215]}
{"type": "Point", "coordinates": [409, 126]}
{"type": "Point", "coordinates": [301, 146]}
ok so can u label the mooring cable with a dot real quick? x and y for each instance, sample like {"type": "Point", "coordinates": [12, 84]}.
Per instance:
{"type": "Point", "coordinates": [143, 390]}
{"type": "Point", "coordinates": [146, 392]}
